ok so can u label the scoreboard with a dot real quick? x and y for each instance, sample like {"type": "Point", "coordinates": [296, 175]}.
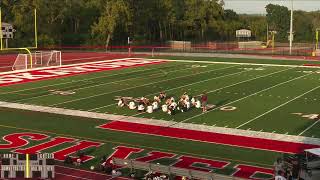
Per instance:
{"type": "Point", "coordinates": [27, 166]}
{"type": "Point", "coordinates": [7, 30]}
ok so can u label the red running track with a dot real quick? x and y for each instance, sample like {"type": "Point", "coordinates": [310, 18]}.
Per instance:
{"type": "Point", "coordinates": [67, 173]}
{"type": "Point", "coordinates": [210, 137]}
{"type": "Point", "coordinates": [7, 60]}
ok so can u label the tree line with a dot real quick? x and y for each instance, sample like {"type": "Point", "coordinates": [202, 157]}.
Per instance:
{"type": "Point", "coordinates": [101, 22]}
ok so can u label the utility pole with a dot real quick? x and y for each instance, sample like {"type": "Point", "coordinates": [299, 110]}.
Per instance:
{"type": "Point", "coordinates": [291, 27]}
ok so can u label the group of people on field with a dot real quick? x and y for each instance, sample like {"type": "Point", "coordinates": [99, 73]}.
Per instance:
{"type": "Point", "coordinates": [167, 104]}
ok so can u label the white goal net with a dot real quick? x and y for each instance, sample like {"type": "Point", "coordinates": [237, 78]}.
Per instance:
{"type": "Point", "coordinates": [21, 62]}
{"type": "Point", "coordinates": [39, 59]}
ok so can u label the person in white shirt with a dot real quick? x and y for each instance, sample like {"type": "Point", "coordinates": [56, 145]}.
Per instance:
{"type": "Point", "coordinates": [156, 98]}
{"type": "Point", "coordinates": [164, 108]}
{"type": "Point", "coordinates": [155, 105]}
{"type": "Point", "coordinates": [198, 104]}
{"type": "Point", "coordinates": [141, 107]}
{"type": "Point", "coordinates": [172, 108]}
{"type": "Point", "coordinates": [193, 101]}
{"type": "Point", "coordinates": [280, 176]}
{"type": "Point", "coordinates": [132, 105]}
{"type": "Point", "coordinates": [173, 105]}
{"type": "Point", "coordinates": [150, 109]}
{"type": "Point", "coordinates": [188, 104]}
{"type": "Point", "coordinates": [121, 102]}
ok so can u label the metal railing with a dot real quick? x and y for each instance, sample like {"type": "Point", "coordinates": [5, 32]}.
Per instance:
{"type": "Point", "coordinates": [169, 170]}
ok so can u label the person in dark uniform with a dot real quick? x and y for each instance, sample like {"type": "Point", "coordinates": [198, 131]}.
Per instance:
{"type": "Point", "coordinates": [204, 101]}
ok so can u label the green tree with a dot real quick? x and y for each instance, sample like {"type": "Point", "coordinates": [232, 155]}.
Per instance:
{"type": "Point", "coordinates": [115, 14]}
{"type": "Point", "coordinates": [278, 18]}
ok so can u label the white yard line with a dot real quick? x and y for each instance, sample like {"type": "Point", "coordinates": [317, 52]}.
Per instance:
{"type": "Point", "coordinates": [182, 61]}
{"type": "Point", "coordinates": [126, 88]}
{"type": "Point", "coordinates": [167, 90]}
{"type": "Point", "coordinates": [74, 81]}
{"type": "Point", "coordinates": [275, 108]}
{"type": "Point", "coordinates": [245, 96]}
{"type": "Point", "coordinates": [163, 123]}
{"type": "Point", "coordinates": [247, 80]}
{"type": "Point", "coordinates": [114, 82]}
{"type": "Point", "coordinates": [308, 128]}
{"type": "Point", "coordinates": [96, 95]}
{"type": "Point", "coordinates": [266, 75]}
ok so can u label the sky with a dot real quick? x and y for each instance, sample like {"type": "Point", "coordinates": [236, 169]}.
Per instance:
{"type": "Point", "coordinates": [258, 6]}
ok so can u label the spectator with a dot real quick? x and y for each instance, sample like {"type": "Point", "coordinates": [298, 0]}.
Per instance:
{"type": "Point", "coordinates": [68, 160]}
{"type": "Point", "coordinates": [77, 162]}
{"type": "Point", "coordinates": [108, 169]}
{"type": "Point", "coordinates": [295, 170]}
{"type": "Point", "coordinates": [278, 166]}
{"type": "Point", "coordinates": [103, 159]}
{"type": "Point", "coordinates": [280, 176]}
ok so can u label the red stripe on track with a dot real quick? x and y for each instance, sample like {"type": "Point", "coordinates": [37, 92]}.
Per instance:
{"type": "Point", "coordinates": [312, 65]}
{"type": "Point", "coordinates": [210, 137]}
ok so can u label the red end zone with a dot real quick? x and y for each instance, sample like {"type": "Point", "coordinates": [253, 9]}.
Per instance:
{"type": "Point", "coordinates": [11, 78]}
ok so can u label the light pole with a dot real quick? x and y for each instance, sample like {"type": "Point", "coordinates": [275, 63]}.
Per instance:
{"type": "Point", "coordinates": [291, 27]}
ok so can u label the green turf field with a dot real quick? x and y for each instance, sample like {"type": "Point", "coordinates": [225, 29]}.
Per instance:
{"type": "Point", "coordinates": [264, 98]}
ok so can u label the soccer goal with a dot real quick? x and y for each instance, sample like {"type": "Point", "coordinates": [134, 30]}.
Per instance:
{"type": "Point", "coordinates": [39, 59]}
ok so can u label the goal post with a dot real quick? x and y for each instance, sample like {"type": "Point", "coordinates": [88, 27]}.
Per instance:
{"type": "Point", "coordinates": [37, 59]}
{"type": "Point", "coordinates": [317, 38]}
{"type": "Point", "coordinates": [47, 58]}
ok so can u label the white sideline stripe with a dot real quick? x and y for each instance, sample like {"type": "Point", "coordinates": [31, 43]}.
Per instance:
{"type": "Point", "coordinates": [245, 96]}
{"type": "Point", "coordinates": [266, 75]}
{"type": "Point", "coordinates": [121, 89]}
{"type": "Point", "coordinates": [95, 85]}
{"type": "Point", "coordinates": [297, 97]}
{"type": "Point", "coordinates": [181, 87]}
{"type": "Point", "coordinates": [163, 123]}
{"type": "Point", "coordinates": [96, 95]}
{"type": "Point", "coordinates": [114, 82]}
{"type": "Point", "coordinates": [253, 64]}
{"type": "Point", "coordinates": [309, 127]}
{"type": "Point", "coordinates": [247, 80]}
{"type": "Point", "coordinates": [73, 81]}
{"type": "Point", "coordinates": [118, 81]}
